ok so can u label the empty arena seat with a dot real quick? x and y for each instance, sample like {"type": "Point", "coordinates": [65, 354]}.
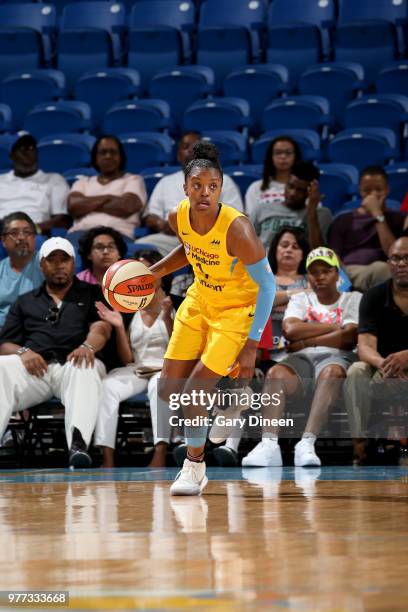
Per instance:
{"type": "Point", "coordinates": [146, 149]}
{"type": "Point", "coordinates": [363, 147]}
{"type": "Point", "coordinates": [56, 117]}
{"type": "Point", "coordinates": [337, 182]}
{"type": "Point", "coordinates": [60, 152]}
{"type": "Point", "coordinates": [169, 13]}
{"type": "Point", "coordinates": [217, 114]}
{"type": "Point", "coordinates": [180, 86]}
{"type": "Point", "coordinates": [101, 89]}
{"type": "Point", "coordinates": [389, 10]}
{"type": "Point", "coordinates": [153, 175]}
{"type": "Point", "coordinates": [306, 112]}
{"type": "Point", "coordinates": [398, 180]}
{"type": "Point", "coordinates": [24, 90]}
{"type": "Point", "coordinates": [232, 146]}
{"type": "Point", "coordinates": [393, 78]}
{"type": "Point", "coordinates": [6, 118]}
{"type": "Point", "coordinates": [381, 110]}
{"type": "Point", "coordinates": [259, 84]}
{"type": "Point", "coordinates": [244, 175]}
{"type": "Point", "coordinates": [137, 116]}
{"type": "Point", "coordinates": [308, 141]}
{"type": "Point", "coordinates": [6, 140]}
{"type": "Point", "coordinates": [339, 82]}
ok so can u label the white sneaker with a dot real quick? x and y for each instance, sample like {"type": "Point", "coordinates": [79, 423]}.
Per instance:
{"type": "Point", "coordinates": [305, 454]}
{"type": "Point", "coordinates": [265, 454]}
{"type": "Point", "coordinates": [224, 420]}
{"type": "Point", "coordinates": [191, 479]}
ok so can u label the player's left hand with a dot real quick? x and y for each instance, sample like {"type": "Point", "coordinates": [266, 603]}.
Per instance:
{"type": "Point", "coordinates": [244, 365]}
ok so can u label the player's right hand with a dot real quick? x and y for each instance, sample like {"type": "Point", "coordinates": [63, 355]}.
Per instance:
{"type": "Point", "coordinates": [34, 363]}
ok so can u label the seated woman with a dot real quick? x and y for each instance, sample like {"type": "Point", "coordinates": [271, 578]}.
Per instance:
{"type": "Point", "coordinates": [99, 248]}
{"type": "Point", "coordinates": [114, 197]}
{"type": "Point", "coordinates": [142, 351]}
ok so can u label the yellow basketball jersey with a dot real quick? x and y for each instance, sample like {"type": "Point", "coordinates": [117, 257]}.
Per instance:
{"type": "Point", "coordinates": [220, 279]}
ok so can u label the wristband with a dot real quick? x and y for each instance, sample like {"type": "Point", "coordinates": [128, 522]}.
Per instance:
{"type": "Point", "coordinates": [87, 346]}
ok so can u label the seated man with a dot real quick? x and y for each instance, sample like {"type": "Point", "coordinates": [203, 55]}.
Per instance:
{"type": "Point", "coordinates": [48, 346]}
{"type": "Point", "coordinates": [169, 191]}
{"type": "Point", "coordinates": [300, 208]}
{"type": "Point", "coordinates": [362, 237]}
{"type": "Point", "coordinates": [382, 346]}
{"type": "Point", "coordinates": [321, 327]}
{"type": "Point", "coordinates": [20, 271]}
{"type": "Point", "coordinates": [42, 195]}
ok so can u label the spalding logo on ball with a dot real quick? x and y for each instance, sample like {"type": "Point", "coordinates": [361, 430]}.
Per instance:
{"type": "Point", "coordinates": [128, 285]}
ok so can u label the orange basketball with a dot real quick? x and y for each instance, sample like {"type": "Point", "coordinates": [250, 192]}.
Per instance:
{"type": "Point", "coordinates": [128, 285]}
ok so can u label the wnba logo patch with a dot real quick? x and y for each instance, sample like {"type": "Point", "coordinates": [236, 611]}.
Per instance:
{"type": "Point", "coordinates": [186, 248]}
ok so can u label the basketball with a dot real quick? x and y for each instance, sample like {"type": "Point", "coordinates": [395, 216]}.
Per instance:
{"type": "Point", "coordinates": [128, 285]}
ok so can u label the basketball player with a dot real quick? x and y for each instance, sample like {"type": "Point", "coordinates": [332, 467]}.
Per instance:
{"type": "Point", "coordinates": [220, 322]}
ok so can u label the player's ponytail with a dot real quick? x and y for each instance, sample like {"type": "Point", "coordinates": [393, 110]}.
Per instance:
{"type": "Point", "coordinates": [204, 157]}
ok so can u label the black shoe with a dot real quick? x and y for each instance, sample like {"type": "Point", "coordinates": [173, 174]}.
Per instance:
{"type": "Point", "coordinates": [79, 458]}
{"type": "Point", "coordinates": [225, 456]}
{"type": "Point", "coordinates": [179, 454]}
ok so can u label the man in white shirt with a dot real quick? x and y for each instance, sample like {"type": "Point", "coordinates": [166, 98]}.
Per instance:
{"type": "Point", "coordinates": [41, 195]}
{"type": "Point", "coordinates": [321, 329]}
{"type": "Point", "coordinates": [169, 191]}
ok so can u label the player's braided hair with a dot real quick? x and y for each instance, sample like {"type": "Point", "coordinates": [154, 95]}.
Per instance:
{"type": "Point", "coordinates": [205, 157]}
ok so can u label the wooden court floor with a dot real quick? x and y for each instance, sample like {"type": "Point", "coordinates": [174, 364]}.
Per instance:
{"type": "Point", "coordinates": [259, 539]}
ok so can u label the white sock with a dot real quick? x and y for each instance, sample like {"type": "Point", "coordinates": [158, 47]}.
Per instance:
{"type": "Point", "coordinates": [309, 436]}
{"type": "Point", "coordinates": [267, 435]}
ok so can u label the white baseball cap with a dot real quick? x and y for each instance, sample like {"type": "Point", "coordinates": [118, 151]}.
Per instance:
{"type": "Point", "coordinates": [56, 244]}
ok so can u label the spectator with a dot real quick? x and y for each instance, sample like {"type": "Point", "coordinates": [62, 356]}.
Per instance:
{"type": "Point", "coordinates": [48, 346]}
{"type": "Point", "coordinates": [321, 329]}
{"type": "Point", "coordinates": [42, 195]}
{"type": "Point", "coordinates": [20, 271]}
{"type": "Point", "coordinates": [168, 193]}
{"type": "Point", "coordinates": [142, 351]}
{"type": "Point", "coordinates": [362, 237]}
{"type": "Point", "coordinates": [281, 155]}
{"type": "Point", "coordinates": [114, 198]}
{"type": "Point", "coordinates": [301, 208]}
{"type": "Point", "coordinates": [382, 347]}
{"type": "Point", "coordinates": [99, 248]}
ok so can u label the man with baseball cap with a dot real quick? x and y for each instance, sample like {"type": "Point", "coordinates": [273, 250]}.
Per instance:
{"type": "Point", "coordinates": [320, 326]}
{"type": "Point", "coordinates": [42, 195]}
{"type": "Point", "coordinates": [48, 346]}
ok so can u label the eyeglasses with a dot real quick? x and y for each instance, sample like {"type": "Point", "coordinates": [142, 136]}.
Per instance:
{"type": "Point", "coordinates": [283, 153]}
{"type": "Point", "coordinates": [16, 233]}
{"type": "Point", "coordinates": [53, 315]}
{"type": "Point", "coordinates": [396, 260]}
{"type": "Point", "coordinates": [105, 247]}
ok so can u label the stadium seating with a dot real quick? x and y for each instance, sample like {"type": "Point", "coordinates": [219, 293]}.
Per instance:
{"type": "Point", "coordinates": [363, 147]}
{"type": "Point", "coordinates": [381, 110]}
{"type": "Point", "coordinates": [6, 119]}
{"type": "Point", "coordinates": [180, 86]}
{"type": "Point", "coordinates": [353, 204]}
{"type": "Point", "coordinates": [6, 140]}
{"type": "Point", "coordinates": [232, 146]}
{"type": "Point", "coordinates": [389, 10]}
{"type": "Point", "coordinates": [337, 183]}
{"type": "Point", "coordinates": [398, 180]}
{"type": "Point", "coordinates": [153, 175]}
{"type": "Point", "coordinates": [73, 174]}
{"type": "Point", "coordinates": [61, 151]}
{"type": "Point", "coordinates": [101, 89]}
{"type": "Point", "coordinates": [308, 140]}
{"type": "Point", "coordinates": [56, 117]}
{"type": "Point", "coordinates": [244, 175]}
{"type": "Point", "coordinates": [146, 149]}
{"type": "Point", "coordinates": [137, 116]}
{"type": "Point", "coordinates": [306, 112]}
{"type": "Point", "coordinates": [259, 84]}
{"type": "Point", "coordinates": [339, 82]}
{"type": "Point", "coordinates": [393, 78]}
{"type": "Point", "coordinates": [217, 114]}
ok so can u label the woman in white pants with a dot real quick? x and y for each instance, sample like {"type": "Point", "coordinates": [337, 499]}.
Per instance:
{"type": "Point", "coordinates": [142, 349]}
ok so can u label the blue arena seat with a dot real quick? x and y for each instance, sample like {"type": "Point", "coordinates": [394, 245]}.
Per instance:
{"type": "Point", "coordinates": [153, 175]}
{"type": "Point", "coordinates": [370, 43]}
{"type": "Point", "coordinates": [137, 116]}
{"type": "Point", "coordinates": [308, 140]}
{"type": "Point", "coordinates": [393, 78]}
{"type": "Point", "coordinates": [363, 147]}
{"type": "Point", "coordinates": [337, 182]}
{"type": "Point", "coordinates": [56, 117]}
{"type": "Point", "coordinates": [231, 145]}
{"type": "Point", "coordinates": [6, 140]}
{"type": "Point", "coordinates": [60, 152]}
{"type": "Point", "coordinates": [398, 180]}
{"type": "Point", "coordinates": [103, 88]}
{"type": "Point", "coordinates": [244, 175]}
{"type": "Point", "coordinates": [6, 118]}
{"type": "Point", "coordinates": [381, 110]}
{"type": "Point", "coordinates": [146, 149]}
{"type": "Point", "coordinates": [23, 90]}
{"type": "Point", "coordinates": [305, 112]}
{"type": "Point", "coordinates": [180, 86]}
{"type": "Point", "coordinates": [168, 13]}
{"type": "Point", "coordinates": [73, 174]}
{"type": "Point", "coordinates": [259, 84]}
{"type": "Point", "coordinates": [389, 10]}
{"type": "Point", "coordinates": [339, 82]}
{"type": "Point", "coordinates": [217, 114]}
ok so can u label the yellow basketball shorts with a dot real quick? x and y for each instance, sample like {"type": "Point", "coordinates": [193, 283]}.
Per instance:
{"type": "Point", "coordinates": [214, 335]}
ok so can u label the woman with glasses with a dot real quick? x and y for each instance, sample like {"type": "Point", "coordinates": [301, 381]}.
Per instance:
{"type": "Point", "coordinates": [99, 248]}
{"type": "Point", "coordinates": [282, 153]}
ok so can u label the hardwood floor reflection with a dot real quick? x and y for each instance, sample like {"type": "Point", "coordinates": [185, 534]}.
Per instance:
{"type": "Point", "coordinates": [302, 544]}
